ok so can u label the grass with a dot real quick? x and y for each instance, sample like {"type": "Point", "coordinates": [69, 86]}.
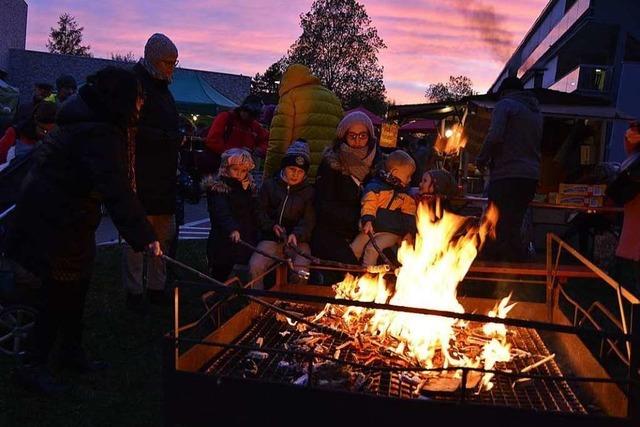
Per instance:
{"type": "Point", "coordinates": [128, 394]}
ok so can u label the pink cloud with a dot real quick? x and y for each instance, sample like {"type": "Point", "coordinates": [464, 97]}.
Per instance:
{"type": "Point", "coordinates": [427, 40]}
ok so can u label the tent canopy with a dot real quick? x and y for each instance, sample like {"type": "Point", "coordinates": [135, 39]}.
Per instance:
{"type": "Point", "coordinates": [194, 95]}
{"type": "Point", "coordinates": [424, 125]}
{"type": "Point", "coordinates": [375, 119]}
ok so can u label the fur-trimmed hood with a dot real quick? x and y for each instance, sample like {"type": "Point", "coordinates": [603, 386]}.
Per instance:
{"type": "Point", "coordinates": [223, 184]}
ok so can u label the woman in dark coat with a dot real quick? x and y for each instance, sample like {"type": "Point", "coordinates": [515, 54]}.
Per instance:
{"type": "Point", "coordinates": [80, 165]}
{"type": "Point", "coordinates": [232, 210]}
{"type": "Point", "coordinates": [342, 172]}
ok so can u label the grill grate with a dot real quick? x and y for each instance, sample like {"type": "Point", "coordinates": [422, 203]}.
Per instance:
{"type": "Point", "coordinates": [539, 395]}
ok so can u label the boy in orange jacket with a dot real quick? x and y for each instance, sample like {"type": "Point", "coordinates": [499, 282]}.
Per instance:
{"type": "Point", "coordinates": [387, 210]}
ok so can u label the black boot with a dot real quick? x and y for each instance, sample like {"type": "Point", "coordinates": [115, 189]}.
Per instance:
{"type": "Point", "coordinates": [76, 359]}
{"type": "Point", "coordinates": [38, 378]}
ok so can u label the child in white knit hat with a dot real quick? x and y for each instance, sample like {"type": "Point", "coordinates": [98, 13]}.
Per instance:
{"type": "Point", "coordinates": [232, 212]}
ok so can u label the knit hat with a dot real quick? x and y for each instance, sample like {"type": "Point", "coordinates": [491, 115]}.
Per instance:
{"type": "Point", "coordinates": [66, 81]}
{"type": "Point", "coordinates": [235, 156]}
{"type": "Point", "coordinates": [159, 47]}
{"type": "Point", "coordinates": [352, 119]}
{"type": "Point", "coordinates": [297, 155]}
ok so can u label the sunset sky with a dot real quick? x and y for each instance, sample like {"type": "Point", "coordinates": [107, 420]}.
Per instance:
{"type": "Point", "coordinates": [427, 40]}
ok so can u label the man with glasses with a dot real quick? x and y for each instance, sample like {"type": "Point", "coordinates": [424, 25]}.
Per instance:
{"type": "Point", "coordinates": [155, 158]}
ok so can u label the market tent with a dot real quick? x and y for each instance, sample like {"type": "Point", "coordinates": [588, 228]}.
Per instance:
{"type": "Point", "coordinates": [375, 119]}
{"type": "Point", "coordinates": [194, 95]}
{"type": "Point", "coordinates": [424, 125]}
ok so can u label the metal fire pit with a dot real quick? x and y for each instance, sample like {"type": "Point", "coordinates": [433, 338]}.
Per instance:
{"type": "Point", "coordinates": [248, 371]}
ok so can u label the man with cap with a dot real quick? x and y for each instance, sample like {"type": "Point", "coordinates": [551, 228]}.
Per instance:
{"type": "Point", "coordinates": [155, 160]}
{"type": "Point", "coordinates": [285, 211]}
{"type": "Point", "coordinates": [511, 151]}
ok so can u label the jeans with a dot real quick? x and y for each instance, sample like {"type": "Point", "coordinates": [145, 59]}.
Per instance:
{"type": "Point", "coordinates": [259, 263]}
{"type": "Point", "coordinates": [132, 262]}
{"type": "Point", "coordinates": [362, 247]}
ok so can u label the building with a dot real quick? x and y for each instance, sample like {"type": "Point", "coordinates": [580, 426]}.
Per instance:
{"type": "Point", "coordinates": [590, 47]}
{"type": "Point", "coordinates": [24, 68]}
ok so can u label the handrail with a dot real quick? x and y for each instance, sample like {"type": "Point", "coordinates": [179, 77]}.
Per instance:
{"type": "Point", "coordinates": [620, 291]}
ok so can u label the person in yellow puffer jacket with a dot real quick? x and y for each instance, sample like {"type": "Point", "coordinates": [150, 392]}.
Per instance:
{"type": "Point", "coordinates": [306, 110]}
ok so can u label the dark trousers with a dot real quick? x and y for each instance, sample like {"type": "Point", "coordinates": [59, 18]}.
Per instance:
{"type": "Point", "coordinates": [512, 197]}
{"type": "Point", "coordinates": [60, 314]}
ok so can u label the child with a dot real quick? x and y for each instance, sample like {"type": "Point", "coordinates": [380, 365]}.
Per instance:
{"type": "Point", "coordinates": [285, 210]}
{"type": "Point", "coordinates": [232, 210]}
{"type": "Point", "coordinates": [387, 209]}
{"type": "Point", "coordinates": [436, 183]}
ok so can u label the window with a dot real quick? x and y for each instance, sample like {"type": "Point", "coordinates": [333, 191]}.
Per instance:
{"type": "Point", "coordinates": [631, 49]}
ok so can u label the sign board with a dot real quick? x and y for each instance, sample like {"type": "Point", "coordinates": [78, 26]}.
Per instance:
{"type": "Point", "coordinates": [389, 135]}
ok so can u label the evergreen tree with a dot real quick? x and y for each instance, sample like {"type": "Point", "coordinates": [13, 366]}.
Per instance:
{"type": "Point", "coordinates": [67, 38]}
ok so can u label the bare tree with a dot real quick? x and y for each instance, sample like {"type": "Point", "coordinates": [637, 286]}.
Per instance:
{"type": "Point", "coordinates": [455, 89]}
{"type": "Point", "coordinates": [127, 57]}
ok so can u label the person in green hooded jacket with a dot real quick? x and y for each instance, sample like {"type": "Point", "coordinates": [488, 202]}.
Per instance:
{"type": "Point", "coordinates": [306, 110]}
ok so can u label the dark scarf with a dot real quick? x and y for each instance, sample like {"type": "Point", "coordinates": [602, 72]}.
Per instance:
{"type": "Point", "coordinates": [356, 161]}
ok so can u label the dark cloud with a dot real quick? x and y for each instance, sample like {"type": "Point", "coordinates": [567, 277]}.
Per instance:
{"type": "Point", "coordinates": [489, 25]}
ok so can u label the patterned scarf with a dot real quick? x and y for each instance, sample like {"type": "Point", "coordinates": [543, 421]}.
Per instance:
{"type": "Point", "coordinates": [357, 161]}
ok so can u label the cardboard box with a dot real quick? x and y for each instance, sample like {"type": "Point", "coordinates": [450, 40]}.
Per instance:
{"type": "Point", "coordinates": [573, 200]}
{"type": "Point", "coordinates": [574, 189]}
{"type": "Point", "coordinates": [582, 189]}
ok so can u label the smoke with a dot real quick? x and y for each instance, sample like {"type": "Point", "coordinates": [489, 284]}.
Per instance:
{"type": "Point", "coordinates": [483, 19]}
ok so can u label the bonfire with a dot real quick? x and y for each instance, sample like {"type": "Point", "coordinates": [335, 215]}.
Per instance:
{"type": "Point", "coordinates": [431, 269]}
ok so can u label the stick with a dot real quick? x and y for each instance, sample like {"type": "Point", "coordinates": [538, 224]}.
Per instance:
{"type": "Point", "coordinates": [538, 363]}
{"type": "Point", "coordinates": [325, 329]}
{"type": "Point", "coordinates": [377, 248]}
{"type": "Point", "coordinates": [374, 269]}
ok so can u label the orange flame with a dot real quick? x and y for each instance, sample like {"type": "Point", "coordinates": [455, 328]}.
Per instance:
{"type": "Point", "coordinates": [432, 268]}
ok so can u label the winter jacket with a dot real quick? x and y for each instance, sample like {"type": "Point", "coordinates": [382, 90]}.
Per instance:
{"type": "Point", "coordinates": [231, 208]}
{"type": "Point", "coordinates": [389, 207]}
{"type": "Point", "coordinates": [512, 146]}
{"type": "Point", "coordinates": [78, 166]}
{"type": "Point", "coordinates": [290, 207]}
{"type": "Point", "coordinates": [338, 197]}
{"type": "Point", "coordinates": [306, 110]}
{"type": "Point", "coordinates": [157, 143]}
{"type": "Point", "coordinates": [229, 131]}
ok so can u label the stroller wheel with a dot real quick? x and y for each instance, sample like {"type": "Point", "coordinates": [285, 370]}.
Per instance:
{"type": "Point", "coordinates": [16, 322]}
